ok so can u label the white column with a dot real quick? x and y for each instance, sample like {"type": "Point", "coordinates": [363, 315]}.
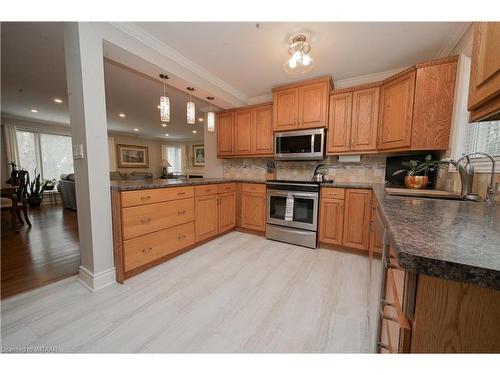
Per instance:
{"type": "Point", "coordinates": [87, 107]}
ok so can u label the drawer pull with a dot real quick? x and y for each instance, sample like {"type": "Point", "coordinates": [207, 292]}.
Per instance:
{"type": "Point", "coordinates": [181, 237]}
{"type": "Point", "coordinates": [181, 193]}
{"type": "Point", "coordinates": [146, 197]}
{"type": "Point", "coordinates": [181, 212]}
{"type": "Point", "coordinates": [388, 317]}
{"type": "Point", "coordinates": [147, 250]}
{"type": "Point", "coordinates": [145, 220]}
{"type": "Point", "coordinates": [383, 346]}
{"type": "Point", "coordinates": [208, 190]}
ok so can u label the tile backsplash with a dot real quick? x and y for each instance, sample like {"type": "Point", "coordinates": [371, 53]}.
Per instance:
{"type": "Point", "coordinates": [370, 169]}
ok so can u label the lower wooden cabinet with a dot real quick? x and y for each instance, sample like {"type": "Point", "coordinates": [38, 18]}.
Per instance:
{"type": "Point", "coordinates": [253, 207]}
{"type": "Point", "coordinates": [375, 231]}
{"type": "Point", "coordinates": [331, 219]}
{"type": "Point", "coordinates": [357, 215]}
{"type": "Point", "coordinates": [206, 216]}
{"type": "Point", "coordinates": [227, 211]}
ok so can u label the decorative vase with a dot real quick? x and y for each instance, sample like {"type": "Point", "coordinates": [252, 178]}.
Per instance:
{"type": "Point", "coordinates": [34, 202]}
{"type": "Point", "coordinates": [416, 182]}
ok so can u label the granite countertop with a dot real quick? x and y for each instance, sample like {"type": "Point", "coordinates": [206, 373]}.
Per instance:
{"type": "Point", "coordinates": [456, 240]}
{"type": "Point", "coordinates": [452, 239]}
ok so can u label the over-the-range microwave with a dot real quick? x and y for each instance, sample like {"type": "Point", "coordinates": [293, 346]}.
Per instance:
{"type": "Point", "coordinates": [300, 145]}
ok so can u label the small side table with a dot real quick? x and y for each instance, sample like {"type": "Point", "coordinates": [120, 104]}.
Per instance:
{"type": "Point", "coordinates": [51, 196]}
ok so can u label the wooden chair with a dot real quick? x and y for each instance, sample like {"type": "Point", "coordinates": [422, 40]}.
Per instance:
{"type": "Point", "coordinates": [23, 181]}
{"type": "Point", "coordinates": [15, 198]}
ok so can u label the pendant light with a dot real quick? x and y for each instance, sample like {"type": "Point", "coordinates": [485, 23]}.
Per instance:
{"type": "Point", "coordinates": [190, 107]}
{"type": "Point", "coordinates": [210, 116]}
{"type": "Point", "coordinates": [164, 102]}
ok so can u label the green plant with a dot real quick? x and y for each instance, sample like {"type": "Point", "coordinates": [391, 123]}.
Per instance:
{"type": "Point", "coordinates": [421, 168]}
{"type": "Point", "coordinates": [37, 187]}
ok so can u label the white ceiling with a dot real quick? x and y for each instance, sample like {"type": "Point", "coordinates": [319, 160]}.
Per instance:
{"type": "Point", "coordinates": [250, 58]}
{"type": "Point", "coordinates": [33, 73]}
{"type": "Point", "coordinates": [246, 59]}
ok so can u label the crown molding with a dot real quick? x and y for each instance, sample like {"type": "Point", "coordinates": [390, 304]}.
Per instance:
{"type": "Point", "coordinates": [266, 98]}
{"type": "Point", "coordinates": [450, 44]}
{"type": "Point", "coordinates": [154, 43]}
{"type": "Point", "coordinates": [368, 78]}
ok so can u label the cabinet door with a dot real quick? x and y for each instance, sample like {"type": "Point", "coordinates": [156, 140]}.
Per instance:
{"type": "Point", "coordinates": [227, 211]}
{"type": "Point", "coordinates": [285, 109]}
{"type": "Point", "coordinates": [434, 94]}
{"type": "Point", "coordinates": [375, 232]}
{"type": "Point", "coordinates": [243, 132]}
{"type": "Point", "coordinates": [331, 221]}
{"type": "Point", "coordinates": [313, 105]}
{"type": "Point", "coordinates": [262, 136]}
{"type": "Point", "coordinates": [206, 217]}
{"type": "Point", "coordinates": [485, 65]}
{"type": "Point", "coordinates": [364, 119]}
{"type": "Point", "coordinates": [253, 211]}
{"type": "Point", "coordinates": [396, 112]}
{"type": "Point", "coordinates": [339, 124]}
{"type": "Point", "coordinates": [357, 218]}
{"type": "Point", "coordinates": [225, 134]}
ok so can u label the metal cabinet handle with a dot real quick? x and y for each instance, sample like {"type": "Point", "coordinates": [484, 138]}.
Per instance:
{"type": "Point", "coordinates": [147, 250]}
{"type": "Point", "coordinates": [181, 212]}
{"type": "Point", "coordinates": [380, 344]}
{"type": "Point", "coordinates": [388, 317]}
{"type": "Point", "coordinates": [145, 220]}
{"type": "Point", "coordinates": [145, 198]}
{"type": "Point", "coordinates": [181, 237]}
{"type": "Point", "coordinates": [181, 193]}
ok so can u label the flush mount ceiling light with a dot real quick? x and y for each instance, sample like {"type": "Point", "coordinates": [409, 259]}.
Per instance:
{"type": "Point", "coordinates": [194, 131]}
{"type": "Point", "coordinates": [58, 101]}
{"type": "Point", "coordinates": [300, 60]}
{"type": "Point", "coordinates": [164, 125]}
{"type": "Point", "coordinates": [122, 115]}
{"type": "Point", "coordinates": [34, 110]}
{"type": "Point", "coordinates": [210, 116]}
{"type": "Point", "coordinates": [164, 102]}
{"type": "Point", "coordinates": [136, 130]}
{"type": "Point", "coordinates": [190, 107]}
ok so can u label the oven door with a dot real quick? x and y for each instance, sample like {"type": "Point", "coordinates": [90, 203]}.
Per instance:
{"type": "Point", "coordinates": [300, 145]}
{"type": "Point", "coordinates": [305, 209]}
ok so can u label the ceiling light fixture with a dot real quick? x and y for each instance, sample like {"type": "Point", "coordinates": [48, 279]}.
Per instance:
{"type": "Point", "coordinates": [190, 108]}
{"type": "Point", "coordinates": [194, 131]}
{"type": "Point", "coordinates": [136, 130]}
{"type": "Point", "coordinates": [164, 125]}
{"type": "Point", "coordinates": [300, 60]}
{"type": "Point", "coordinates": [57, 100]}
{"type": "Point", "coordinates": [122, 115]}
{"type": "Point", "coordinates": [164, 102]}
{"type": "Point", "coordinates": [200, 119]}
{"type": "Point", "coordinates": [166, 134]}
{"type": "Point", "coordinates": [210, 116]}
{"type": "Point", "coordinates": [34, 110]}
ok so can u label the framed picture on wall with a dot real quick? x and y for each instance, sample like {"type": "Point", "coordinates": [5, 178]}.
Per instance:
{"type": "Point", "coordinates": [198, 155]}
{"type": "Point", "coordinates": [130, 156]}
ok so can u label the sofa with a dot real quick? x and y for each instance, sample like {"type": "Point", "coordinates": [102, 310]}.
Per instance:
{"type": "Point", "coordinates": [66, 188]}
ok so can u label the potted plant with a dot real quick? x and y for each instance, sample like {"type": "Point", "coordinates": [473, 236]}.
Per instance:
{"type": "Point", "coordinates": [35, 191]}
{"type": "Point", "coordinates": [417, 171]}
{"type": "Point", "coordinates": [51, 184]}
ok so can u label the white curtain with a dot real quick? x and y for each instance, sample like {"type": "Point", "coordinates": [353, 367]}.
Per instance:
{"type": "Point", "coordinates": [112, 154]}
{"type": "Point", "coordinates": [10, 137]}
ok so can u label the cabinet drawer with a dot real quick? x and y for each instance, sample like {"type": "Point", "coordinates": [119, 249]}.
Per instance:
{"type": "Point", "coordinates": [253, 188]}
{"type": "Point", "coordinates": [145, 249]}
{"type": "Point", "coordinates": [332, 193]}
{"type": "Point", "coordinates": [148, 218]}
{"type": "Point", "coordinates": [205, 190]}
{"type": "Point", "coordinates": [226, 188]}
{"type": "Point", "coordinates": [138, 197]}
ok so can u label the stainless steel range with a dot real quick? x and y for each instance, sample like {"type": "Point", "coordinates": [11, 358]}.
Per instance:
{"type": "Point", "coordinates": [292, 212]}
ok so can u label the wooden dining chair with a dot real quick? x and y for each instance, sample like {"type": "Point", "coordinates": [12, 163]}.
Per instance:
{"type": "Point", "coordinates": [23, 180]}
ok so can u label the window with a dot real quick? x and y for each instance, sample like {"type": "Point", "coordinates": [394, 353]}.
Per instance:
{"type": "Point", "coordinates": [484, 137]}
{"type": "Point", "coordinates": [174, 157]}
{"type": "Point", "coordinates": [50, 154]}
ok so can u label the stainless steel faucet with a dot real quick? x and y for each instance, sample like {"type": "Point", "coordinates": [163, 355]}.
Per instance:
{"type": "Point", "coordinates": [467, 177]}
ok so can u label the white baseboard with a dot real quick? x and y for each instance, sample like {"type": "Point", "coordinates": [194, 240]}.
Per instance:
{"type": "Point", "coordinates": [96, 281]}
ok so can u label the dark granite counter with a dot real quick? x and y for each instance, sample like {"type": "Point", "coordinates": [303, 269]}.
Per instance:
{"type": "Point", "coordinates": [456, 240]}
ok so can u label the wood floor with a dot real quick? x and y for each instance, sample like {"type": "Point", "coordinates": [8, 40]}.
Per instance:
{"type": "Point", "coordinates": [46, 252]}
{"type": "Point", "coordinates": [238, 293]}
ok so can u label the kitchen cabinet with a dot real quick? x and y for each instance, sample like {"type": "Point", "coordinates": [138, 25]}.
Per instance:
{"type": "Point", "coordinates": [433, 105]}
{"type": "Point", "coordinates": [226, 207]}
{"type": "Point", "coordinates": [253, 207]}
{"type": "Point", "coordinates": [245, 132]}
{"type": "Point", "coordinates": [484, 85]}
{"type": "Point", "coordinates": [353, 118]}
{"type": "Point", "coordinates": [206, 216]}
{"type": "Point", "coordinates": [357, 215]}
{"type": "Point", "coordinates": [396, 111]}
{"type": "Point", "coordinates": [301, 105]}
{"type": "Point", "coordinates": [331, 221]}
{"type": "Point", "coordinates": [375, 231]}
{"type": "Point", "coordinates": [225, 144]}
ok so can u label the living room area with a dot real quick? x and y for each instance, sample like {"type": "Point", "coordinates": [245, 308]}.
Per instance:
{"type": "Point", "coordinates": [40, 232]}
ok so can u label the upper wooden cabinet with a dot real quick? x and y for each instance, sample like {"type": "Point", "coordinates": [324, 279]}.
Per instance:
{"type": "Point", "coordinates": [245, 132]}
{"type": "Point", "coordinates": [484, 85]}
{"type": "Point", "coordinates": [225, 134]}
{"type": "Point", "coordinates": [433, 104]}
{"type": "Point", "coordinates": [396, 111]}
{"type": "Point", "coordinates": [301, 105]}
{"type": "Point", "coordinates": [352, 125]}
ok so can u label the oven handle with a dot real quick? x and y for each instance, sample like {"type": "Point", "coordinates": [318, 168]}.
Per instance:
{"type": "Point", "coordinates": [284, 193]}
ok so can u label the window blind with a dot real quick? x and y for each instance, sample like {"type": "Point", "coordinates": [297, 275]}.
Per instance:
{"type": "Point", "coordinates": [483, 136]}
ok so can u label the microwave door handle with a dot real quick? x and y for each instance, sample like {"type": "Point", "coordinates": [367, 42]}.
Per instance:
{"type": "Point", "coordinates": [312, 142]}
